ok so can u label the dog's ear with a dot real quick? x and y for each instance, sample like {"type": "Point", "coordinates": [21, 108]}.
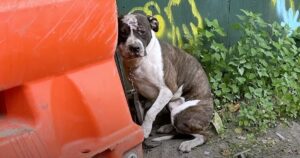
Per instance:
{"type": "Point", "coordinates": [153, 23]}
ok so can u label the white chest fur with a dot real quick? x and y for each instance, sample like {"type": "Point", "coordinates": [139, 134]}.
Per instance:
{"type": "Point", "coordinates": [149, 76]}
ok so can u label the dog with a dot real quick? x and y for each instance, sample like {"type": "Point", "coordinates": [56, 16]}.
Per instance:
{"type": "Point", "coordinates": [165, 75]}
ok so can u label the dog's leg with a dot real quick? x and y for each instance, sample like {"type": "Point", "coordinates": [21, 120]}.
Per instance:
{"type": "Point", "coordinates": [187, 146]}
{"type": "Point", "coordinates": [177, 109]}
{"type": "Point", "coordinates": [164, 96]}
{"type": "Point", "coordinates": [159, 139]}
{"type": "Point", "coordinates": [165, 129]}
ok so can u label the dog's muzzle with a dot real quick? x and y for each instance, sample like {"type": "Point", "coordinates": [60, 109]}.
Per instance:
{"type": "Point", "coordinates": [136, 50]}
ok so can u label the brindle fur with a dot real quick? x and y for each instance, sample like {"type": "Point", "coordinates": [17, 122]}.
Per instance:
{"type": "Point", "coordinates": [180, 68]}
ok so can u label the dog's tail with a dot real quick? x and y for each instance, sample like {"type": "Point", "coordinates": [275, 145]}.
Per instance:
{"type": "Point", "coordinates": [168, 137]}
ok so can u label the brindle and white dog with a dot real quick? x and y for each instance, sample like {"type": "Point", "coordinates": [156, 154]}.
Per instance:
{"type": "Point", "coordinates": [158, 70]}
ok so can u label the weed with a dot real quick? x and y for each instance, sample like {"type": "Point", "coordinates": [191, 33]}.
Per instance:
{"type": "Point", "coordinates": [260, 72]}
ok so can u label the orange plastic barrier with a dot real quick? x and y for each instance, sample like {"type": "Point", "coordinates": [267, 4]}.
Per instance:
{"type": "Point", "coordinates": [60, 91]}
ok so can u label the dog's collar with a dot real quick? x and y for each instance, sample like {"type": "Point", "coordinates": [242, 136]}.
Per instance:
{"type": "Point", "coordinates": [131, 77]}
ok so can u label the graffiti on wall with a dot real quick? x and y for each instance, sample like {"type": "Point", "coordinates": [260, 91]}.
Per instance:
{"type": "Point", "coordinates": [168, 26]}
{"type": "Point", "coordinates": [180, 18]}
{"type": "Point", "coordinates": [288, 16]}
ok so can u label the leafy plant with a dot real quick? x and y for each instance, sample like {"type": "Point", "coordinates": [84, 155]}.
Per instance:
{"type": "Point", "coordinates": [260, 72]}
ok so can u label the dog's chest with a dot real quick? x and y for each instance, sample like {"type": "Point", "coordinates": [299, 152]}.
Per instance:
{"type": "Point", "coordinates": [148, 78]}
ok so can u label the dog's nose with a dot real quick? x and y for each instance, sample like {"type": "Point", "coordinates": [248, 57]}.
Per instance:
{"type": "Point", "coordinates": [135, 49]}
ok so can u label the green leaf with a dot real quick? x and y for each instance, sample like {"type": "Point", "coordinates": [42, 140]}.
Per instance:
{"type": "Point", "coordinates": [208, 22]}
{"type": "Point", "coordinates": [247, 13]}
{"type": "Point", "coordinates": [297, 69]}
{"type": "Point", "coordinates": [258, 92]}
{"type": "Point", "coordinates": [251, 76]}
{"type": "Point", "coordinates": [242, 61]}
{"type": "Point", "coordinates": [246, 123]}
{"type": "Point", "coordinates": [251, 89]}
{"type": "Point", "coordinates": [248, 66]}
{"type": "Point", "coordinates": [208, 34]}
{"type": "Point", "coordinates": [276, 74]}
{"type": "Point", "coordinates": [218, 93]}
{"type": "Point", "coordinates": [241, 70]}
{"type": "Point", "coordinates": [268, 54]}
{"type": "Point", "coordinates": [248, 95]}
{"type": "Point", "coordinates": [232, 63]}
{"type": "Point", "coordinates": [242, 18]}
{"type": "Point", "coordinates": [225, 90]}
{"type": "Point", "coordinates": [241, 79]}
{"type": "Point", "coordinates": [234, 88]}
{"type": "Point", "coordinates": [263, 62]}
{"type": "Point", "coordinates": [217, 56]}
{"type": "Point", "coordinates": [263, 44]}
{"type": "Point", "coordinates": [220, 32]}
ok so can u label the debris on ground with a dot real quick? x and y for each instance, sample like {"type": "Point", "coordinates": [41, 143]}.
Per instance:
{"type": "Point", "coordinates": [238, 130]}
{"type": "Point", "coordinates": [233, 107]}
{"type": "Point", "coordinates": [217, 123]}
{"type": "Point", "coordinates": [241, 154]}
{"type": "Point", "coordinates": [206, 153]}
{"type": "Point", "coordinates": [280, 136]}
{"type": "Point", "coordinates": [241, 137]}
{"type": "Point", "coordinates": [266, 145]}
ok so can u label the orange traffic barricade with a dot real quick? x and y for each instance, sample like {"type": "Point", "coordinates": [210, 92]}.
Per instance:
{"type": "Point", "coordinates": [60, 91]}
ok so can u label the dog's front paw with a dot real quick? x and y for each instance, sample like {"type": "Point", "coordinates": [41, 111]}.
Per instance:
{"type": "Point", "coordinates": [147, 129]}
{"type": "Point", "coordinates": [185, 147]}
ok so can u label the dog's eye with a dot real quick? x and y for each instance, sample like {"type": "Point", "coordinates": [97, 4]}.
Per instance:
{"type": "Point", "coordinates": [141, 32]}
{"type": "Point", "coordinates": [124, 31]}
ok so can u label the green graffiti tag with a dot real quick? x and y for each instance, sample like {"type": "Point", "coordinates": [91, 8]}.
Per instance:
{"type": "Point", "coordinates": [168, 27]}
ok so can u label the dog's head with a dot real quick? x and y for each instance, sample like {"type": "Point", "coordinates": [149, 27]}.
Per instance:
{"type": "Point", "coordinates": [135, 33]}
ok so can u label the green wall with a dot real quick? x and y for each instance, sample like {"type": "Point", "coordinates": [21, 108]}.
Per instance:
{"type": "Point", "coordinates": [180, 17]}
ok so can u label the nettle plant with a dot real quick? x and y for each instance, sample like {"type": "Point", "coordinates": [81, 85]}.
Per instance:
{"type": "Point", "coordinates": [260, 72]}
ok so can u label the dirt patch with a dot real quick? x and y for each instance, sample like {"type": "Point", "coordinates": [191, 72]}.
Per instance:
{"type": "Point", "coordinates": [283, 141]}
